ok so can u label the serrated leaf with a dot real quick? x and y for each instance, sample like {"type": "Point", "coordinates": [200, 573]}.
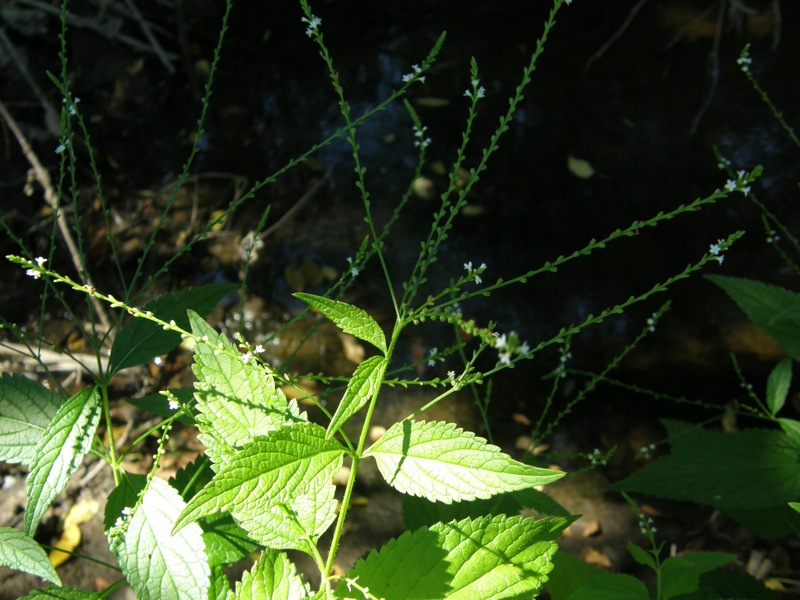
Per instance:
{"type": "Point", "coordinates": [26, 409]}
{"type": "Point", "coordinates": [226, 542]}
{"type": "Point", "coordinates": [236, 400]}
{"type": "Point", "coordinates": [274, 577]}
{"type": "Point", "coordinates": [681, 574]}
{"type": "Point", "coordinates": [421, 512]}
{"type": "Point", "coordinates": [348, 318]}
{"type": "Point", "coordinates": [59, 453]}
{"type": "Point", "coordinates": [141, 340]}
{"type": "Point", "coordinates": [443, 463]}
{"type": "Point", "coordinates": [778, 383]}
{"type": "Point", "coordinates": [362, 385]}
{"type": "Point", "coordinates": [157, 564]}
{"type": "Point", "coordinates": [220, 587]}
{"type": "Point", "coordinates": [21, 552]}
{"type": "Point", "coordinates": [642, 556]}
{"type": "Point", "coordinates": [491, 558]}
{"type": "Point", "coordinates": [749, 469]}
{"type": "Point", "coordinates": [278, 487]}
{"type": "Point", "coordinates": [764, 305]}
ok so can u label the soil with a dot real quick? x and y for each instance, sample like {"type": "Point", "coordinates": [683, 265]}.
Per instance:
{"type": "Point", "coordinates": [629, 116]}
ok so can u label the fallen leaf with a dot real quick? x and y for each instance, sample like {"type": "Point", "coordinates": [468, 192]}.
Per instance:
{"type": "Point", "coordinates": [70, 538]}
{"type": "Point", "coordinates": [595, 557]}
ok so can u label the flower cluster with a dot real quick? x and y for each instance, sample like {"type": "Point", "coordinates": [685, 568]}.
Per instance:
{"type": "Point", "coordinates": [421, 141]}
{"type": "Point", "coordinates": [477, 91]}
{"type": "Point", "coordinates": [566, 355]}
{"type": "Point", "coordinates": [647, 526]}
{"type": "Point", "coordinates": [354, 270]}
{"type": "Point", "coordinates": [508, 346]}
{"type": "Point", "coordinates": [313, 25]}
{"type": "Point", "coordinates": [37, 273]}
{"type": "Point", "coordinates": [744, 61]}
{"type": "Point", "coordinates": [415, 75]}
{"type": "Point", "coordinates": [740, 184]}
{"type": "Point", "coordinates": [597, 458]}
{"type": "Point", "coordinates": [718, 249]}
{"type": "Point", "coordinates": [474, 274]}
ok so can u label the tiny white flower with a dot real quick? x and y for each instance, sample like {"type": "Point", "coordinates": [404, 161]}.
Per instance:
{"type": "Point", "coordinates": [60, 148]}
{"type": "Point", "coordinates": [33, 273]}
{"type": "Point", "coordinates": [246, 357]}
{"type": "Point", "coordinates": [452, 376]}
{"type": "Point", "coordinates": [259, 349]}
{"type": "Point", "coordinates": [313, 25]}
{"type": "Point", "coordinates": [432, 356]}
{"type": "Point", "coordinates": [501, 342]}
{"type": "Point", "coordinates": [505, 358]}
{"type": "Point", "coordinates": [40, 261]}
{"type": "Point", "coordinates": [173, 405]}
{"type": "Point", "coordinates": [730, 185]}
{"type": "Point", "coordinates": [714, 249]}
{"type": "Point", "coordinates": [126, 512]}
{"type": "Point", "coordinates": [468, 266]}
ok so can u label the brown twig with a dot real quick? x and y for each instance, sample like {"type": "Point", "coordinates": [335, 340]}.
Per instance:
{"type": "Point", "coordinates": [51, 198]}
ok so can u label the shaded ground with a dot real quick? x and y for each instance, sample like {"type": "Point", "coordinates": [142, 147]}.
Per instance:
{"type": "Point", "coordinates": [629, 117]}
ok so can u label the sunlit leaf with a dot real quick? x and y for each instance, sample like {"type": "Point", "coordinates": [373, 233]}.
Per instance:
{"type": "Point", "coordinates": [348, 318]}
{"type": "Point", "coordinates": [278, 487]}
{"type": "Point", "coordinates": [274, 577]}
{"type": "Point", "coordinates": [59, 453]}
{"type": "Point", "coordinates": [21, 552]}
{"type": "Point", "coordinates": [442, 463]}
{"type": "Point", "coordinates": [768, 306]}
{"type": "Point", "coordinates": [495, 558]}
{"type": "Point", "coordinates": [778, 384]}
{"type": "Point", "coordinates": [360, 388]}
{"type": "Point", "coordinates": [236, 400]}
{"type": "Point", "coordinates": [63, 593]}
{"type": "Point", "coordinates": [26, 409]}
{"type": "Point", "coordinates": [158, 564]}
{"type": "Point", "coordinates": [141, 340]}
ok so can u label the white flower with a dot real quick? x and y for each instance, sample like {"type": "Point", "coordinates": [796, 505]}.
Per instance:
{"type": "Point", "coordinates": [40, 261]}
{"type": "Point", "coordinates": [60, 148]}
{"type": "Point", "coordinates": [173, 405]}
{"type": "Point", "coordinates": [246, 357]}
{"type": "Point", "coordinates": [259, 349]}
{"type": "Point", "coordinates": [505, 358]}
{"type": "Point", "coordinates": [714, 249]}
{"type": "Point", "coordinates": [452, 376]}
{"type": "Point", "coordinates": [313, 25]}
{"type": "Point", "coordinates": [501, 341]}
{"type": "Point", "coordinates": [730, 185]}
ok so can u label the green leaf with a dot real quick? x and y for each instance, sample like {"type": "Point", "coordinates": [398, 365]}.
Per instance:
{"type": "Point", "coordinates": [569, 574]}
{"type": "Point", "coordinates": [768, 523]}
{"type": "Point", "coordinates": [219, 587]}
{"type": "Point", "coordinates": [795, 506]}
{"type": "Point", "coordinates": [157, 564]}
{"type": "Point", "coordinates": [443, 463]}
{"type": "Point", "coordinates": [278, 487]}
{"type": "Point", "coordinates": [362, 385]}
{"type": "Point", "coordinates": [348, 318]}
{"type": "Point", "coordinates": [63, 593]}
{"type": "Point", "coordinates": [642, 556]}
{"type": "Point", "coordinates": [21, 552]}
{"type": "Point", "coordinates": [756, 468]}
{"type": "Point", "coordinates": [236, 400]}
{"type": "Point", "coordinates": [274, 577]}
{"type": "Point", "coordinates": [141, 340]}
{"type": "Point", "coordinates": [612, 586]}
{"type": "Point", "coordinates": [732, 583]}
{"type": "Point", "coordinates": [791, 428]}
{"type": "Point", "coordinates": [490, 558]}
{"type": "Point", "coordinates": [26, 409]}
{"type": "Point", "coordinates": [766, 306]}
{"type": "Point", "coordinates": [226, 542]}
{"type": "Point", "coordinates": [59, 453]}
{"type": "Point", "coordinates": [778, 383]}
{"type": "Point", "coordinates": [681, 574]}
{"type": "Point", "coordinates": [421, 512]}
